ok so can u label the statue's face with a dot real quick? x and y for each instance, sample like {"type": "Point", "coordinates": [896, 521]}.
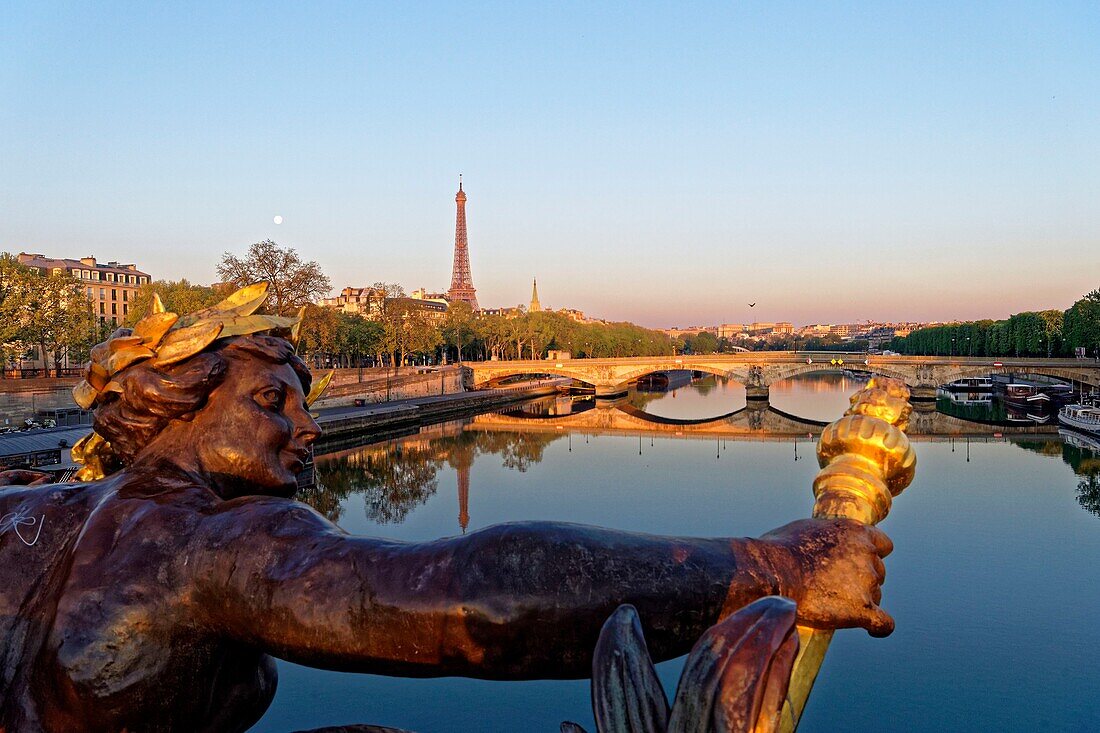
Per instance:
{"type": "Point", "coordinates": [254, 433]}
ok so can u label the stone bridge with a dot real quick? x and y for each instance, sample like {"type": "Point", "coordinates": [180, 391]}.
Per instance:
{"type": "Point", "coordinates": [759, 370]}
{"type": "Point", "coordinates": [756, 421]}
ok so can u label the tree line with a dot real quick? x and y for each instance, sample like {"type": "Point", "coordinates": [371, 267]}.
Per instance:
{"type": "Point", "coordinates": [1048, 333]}
{"type": "Point", "coordinates": [705, 342]}
{"type": "Point", "coordinates": [402, 332]}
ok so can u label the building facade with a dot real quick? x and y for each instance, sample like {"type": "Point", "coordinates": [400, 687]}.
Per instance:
{"type": "Point", "coordinates": [369, 302]}
{"type": "Point", "coordinates": [365, 302]}
{"type": "Point", "coordinates": [112, 287]}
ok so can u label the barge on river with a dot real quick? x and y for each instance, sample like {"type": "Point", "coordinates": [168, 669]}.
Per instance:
{"type": "Point", "coordinates": [1085, 418]}
{"type": "Point", "coordinates": [970, 384]}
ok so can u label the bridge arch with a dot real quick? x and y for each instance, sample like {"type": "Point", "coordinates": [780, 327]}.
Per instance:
{"type": "Point", "coordinates": [494, 377]}
{"type": "Point", "coordinates": [633, 376]}
{"type": "Point", "coordinates": [962, 372]}
{"type": "Point", "coordinates": [770, 374]}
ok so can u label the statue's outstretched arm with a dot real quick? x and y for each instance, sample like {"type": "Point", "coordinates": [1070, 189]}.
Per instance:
{"type": "Point", "coordinates": [523, 600]}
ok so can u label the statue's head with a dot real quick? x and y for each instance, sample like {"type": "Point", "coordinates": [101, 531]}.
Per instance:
{"type": "Point", "coordinates": [219, 393]}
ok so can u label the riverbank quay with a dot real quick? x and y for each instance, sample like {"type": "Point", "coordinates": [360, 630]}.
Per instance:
{"type": "Point", "coordinates": [350, 387]}
{"type": "Point", "coordinates": [339, 423]}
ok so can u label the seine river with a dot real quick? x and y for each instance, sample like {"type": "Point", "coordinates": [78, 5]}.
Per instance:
{"type": "Point", "coordinates": [993, 581]}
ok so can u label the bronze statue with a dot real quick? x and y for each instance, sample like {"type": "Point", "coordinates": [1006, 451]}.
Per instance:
{"type": "Point", "coordinates": [154, 598]}
{"type": "Point", "coordinates": [734, 680]}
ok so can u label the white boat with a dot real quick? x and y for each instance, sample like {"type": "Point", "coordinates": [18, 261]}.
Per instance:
{"type": "Point", "coordinates": [971, 384]}
{"type": "Point", "coordinates": [1081, 417]}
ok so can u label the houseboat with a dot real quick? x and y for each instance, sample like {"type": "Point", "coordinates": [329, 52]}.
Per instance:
{"type": "Point", "coordinates": [970, 384]}
{"type": "Point", "coordinates": [1036, 394]}
{"type": "Point", "coordinates": [1085, 418]}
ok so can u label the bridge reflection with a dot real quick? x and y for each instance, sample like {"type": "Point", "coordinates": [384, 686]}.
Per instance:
{"type": "Point", "coordinates": [395, 475]}
{"type": "Point", "coordinates": [759, 421]}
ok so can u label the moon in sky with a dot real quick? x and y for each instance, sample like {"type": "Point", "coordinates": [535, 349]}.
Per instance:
{"type": "Point", "coordinates": [278, 220]}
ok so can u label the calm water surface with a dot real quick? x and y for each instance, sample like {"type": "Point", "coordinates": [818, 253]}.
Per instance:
{"type": "Point", "coordinates": [993, 581]}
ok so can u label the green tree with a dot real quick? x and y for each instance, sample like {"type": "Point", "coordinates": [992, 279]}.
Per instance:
{"type": "Point", "coordinates": [516, 329]}
{"type": "Point", "coordinates": [1081, 326]}
{"type": "Point", "coordinates": [14, 294]}
{"type": "Point", "coordinates": [493, 332]}
{"type": "Point", "coordinates": [59, 318]}
{"type": "Point", "coordinates": [541, 329]}
{"type": "Point", "coordinates": [388, 308]}
{"type": "Point", "coordinates": [320, 335]}
{"type": "Point", "coordinates": [458, 327]}
{"type": "Point", "coordinates": [178, 296]}
{"type": "Point", "coordinates": [704, 343]}
{"type": "Point", "coordinates": [359, 336]}
{"type": "Point", "coordinates": [422, 335]}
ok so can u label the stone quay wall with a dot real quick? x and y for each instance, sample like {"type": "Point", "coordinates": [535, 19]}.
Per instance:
{"type": "Point", "coordinates": [21, 399]}
{"type": "Point", "coordinates": [377, 387]}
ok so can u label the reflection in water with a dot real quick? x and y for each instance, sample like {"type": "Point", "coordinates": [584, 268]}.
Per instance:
{"type": "Point", "coordinates": [991, 409]}
{"type": "Point", "coordinates": [821, 396]}
{"type": "Point", "coordinates": [393, 478]}
{"type": "Point", "coordinates": [396, 476]}
{"type": "Point", "coordinates": [1088, 493]}
{"type": "Point", "coordinates": [816, 396]}
{"type": "Point", "coordinates": [690, 397]}
{"type": "Point", "coordinates": [1082, 454]}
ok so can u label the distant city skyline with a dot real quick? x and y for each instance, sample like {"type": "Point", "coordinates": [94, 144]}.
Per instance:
{"type": "Point", "coordinates": [661, 165]}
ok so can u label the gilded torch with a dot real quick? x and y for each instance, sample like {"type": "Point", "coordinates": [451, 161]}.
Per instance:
{"type": "Point", "coordinates": [865, 460]}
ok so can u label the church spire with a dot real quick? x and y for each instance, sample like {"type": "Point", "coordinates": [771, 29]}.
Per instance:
{"type": "Point", "coordinates": [535, 306]}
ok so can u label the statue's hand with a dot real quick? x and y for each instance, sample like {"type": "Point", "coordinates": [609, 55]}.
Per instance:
{"type": "Point", "coordinates": [833, 569]}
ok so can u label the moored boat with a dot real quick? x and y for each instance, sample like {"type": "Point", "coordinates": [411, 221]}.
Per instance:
{"type": "Point", "coordinates": [970, 384]}
{"type": "Point", "coordinates": [1032, 394]}
{"type": "Point", "coordinates": [1081, 417]}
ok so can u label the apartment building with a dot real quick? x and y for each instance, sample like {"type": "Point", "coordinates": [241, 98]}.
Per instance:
{"type": "Point", "coordinates": [112, 287]}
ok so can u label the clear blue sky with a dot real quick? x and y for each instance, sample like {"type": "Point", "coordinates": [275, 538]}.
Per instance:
{"type": "Point", "coordinates": [664, 163]}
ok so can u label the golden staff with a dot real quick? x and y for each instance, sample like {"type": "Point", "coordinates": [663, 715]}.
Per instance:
{"type": "Point", "coordinates": [865, 460]}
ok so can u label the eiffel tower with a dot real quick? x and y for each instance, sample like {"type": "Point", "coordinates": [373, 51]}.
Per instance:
{"type": "Point", "coordinates": [462, 283]}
